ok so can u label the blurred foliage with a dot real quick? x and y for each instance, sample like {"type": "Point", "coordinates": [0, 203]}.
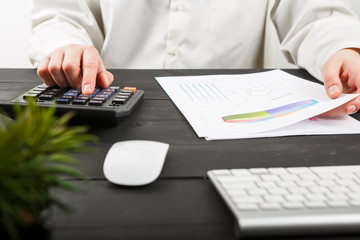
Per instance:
{"type": "Point", "coordinates": [35, 157]}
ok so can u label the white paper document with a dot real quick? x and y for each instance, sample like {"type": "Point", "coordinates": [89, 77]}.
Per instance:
{"type": "Point", "coordinates": [267, 104]}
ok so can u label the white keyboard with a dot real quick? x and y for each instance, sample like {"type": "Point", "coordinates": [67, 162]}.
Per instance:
{"type": "Point", "coordinates": [291, 201]}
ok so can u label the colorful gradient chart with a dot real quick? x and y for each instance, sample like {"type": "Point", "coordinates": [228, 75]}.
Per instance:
{"type": "Point", "coordinates": [269, 114]}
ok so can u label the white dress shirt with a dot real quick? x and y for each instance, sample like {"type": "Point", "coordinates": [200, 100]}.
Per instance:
{"type": "Point", "coordinates": [194, 34]}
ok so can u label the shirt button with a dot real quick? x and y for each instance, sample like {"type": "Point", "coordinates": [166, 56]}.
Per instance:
{"type": "Point", "coordinates": [175, 53]}
{"type": "Point", "coordinates": [180, 7]}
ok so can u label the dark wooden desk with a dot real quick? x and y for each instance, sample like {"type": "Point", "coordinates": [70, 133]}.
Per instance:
{"type": "Point", "coordinates": [181, 204]}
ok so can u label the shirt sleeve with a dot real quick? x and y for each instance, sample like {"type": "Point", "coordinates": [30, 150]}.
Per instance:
{"type": "Point", "coordinates": [57, 23]}
{"type": "Point", "coordinates": [310, 31]}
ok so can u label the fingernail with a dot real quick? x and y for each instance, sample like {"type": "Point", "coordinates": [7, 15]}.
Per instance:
{"type": "Point", "coordinates": [86, 89]}
{"type": "Point", "coordinates": [351, 109]}
{"type": "Point", "coordinates": [333, 90]}
{"type": "Point", "coordinates": [108, 80]}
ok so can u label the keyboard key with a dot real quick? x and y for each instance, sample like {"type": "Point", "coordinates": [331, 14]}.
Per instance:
{"type": "Point", "coordinates": [240, 172]}
{"type": "Point", "coordinates": [345, 182]}
{"type": "Point", "coordinates": [325, 182]}
{"type": "Point", "coordinates": [354, 196]}
{"type": "Point", "coordinates": [338, 204]}
{"type": "Point", "coordinates": [286, 184]}
{"type": "Point", "coordinates": [265, 185]}
{"type": "Point", "coordinates": [299, 170]}
{"type": "Point", "coordinates": [270, 206]}
{"type": "Point", "coordinates": [238, 179]}
{"type": "Point", "coordinates": [306, 183]}
{"type": "Point", "coordinates": [293, 205]}
{"type": "Point", "coordinates": [221, 172]}
{"type": "Point", "coordinates": [274, 198]}
{"type": "Point", "coordinates": [295, 198]}
{"type": "Point", "coordinates": [247, 199]}
{"type": "Point", "coordinates": [336, 169]}
{"type": "Point", "coordinates": [247, 207]}
{"type": "Point", "coordinates": [270, 178]}
{"type": "Point", "coordinates": [277, 191]}
{"type": "Point", "coordinates": [258, 171]}
{"type": "Point", "coordinates": [243, 185]}
{"type": "Point", "coordinates": [237, 192]}
{"type": "Point", "coordinates": [290, 177]}
{"type": "Point", "coordinates": [257, 191]}
{"type": "Point", "coordinates": [300, 190]}
{"type": "Point", "coordinates": [316, 197]}
{"type": "Point", "coordinates": [278, 171]}
{"type": "Point", "coordinates": [318, 204]}
{"type": "Point", "coordinates": [337, 196]}
{"type": "Point", "coordinates": [355, 203]}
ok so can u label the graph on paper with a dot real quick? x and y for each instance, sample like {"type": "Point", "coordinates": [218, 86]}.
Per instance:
{"type": "Point", "coordinates": [270, 113]}
{"type": "Point", "coordinates": [262, 90]}
{"type": "Point", "coordinates": [205, 92]}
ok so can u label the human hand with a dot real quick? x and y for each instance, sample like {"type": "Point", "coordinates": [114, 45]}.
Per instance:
{"type": "Point", "coordinates": [75, 66]}
{"type": "Point", "coordinates": [341, 74]}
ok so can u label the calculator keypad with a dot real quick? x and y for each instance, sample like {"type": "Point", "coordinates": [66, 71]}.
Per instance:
{"type": "Point", "coordinates": [68, 96]}
{"type": "Point", "coordinates": [107, 106]}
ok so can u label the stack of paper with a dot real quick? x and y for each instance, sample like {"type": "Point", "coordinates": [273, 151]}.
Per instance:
{"type": "Point", "coordinates": [267, 104]}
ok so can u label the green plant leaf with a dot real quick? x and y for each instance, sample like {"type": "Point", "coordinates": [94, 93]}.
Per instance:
{"type": "Point", "coordinates": [35, 159]}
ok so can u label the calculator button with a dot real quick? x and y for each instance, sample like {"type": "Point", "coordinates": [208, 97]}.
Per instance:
{"type": "Point", "coordinates": [133, 89]}
{"type": "Point", "coordinates": [29, 96]}
{"type": "Point", "coordinates": [37, 91]}
{"type": "Point", "coordinates": [127, 92]}
{"type": "Point", "coordinates": [79, 102]}
{"type": "Point", "coordinates": [103, 96]}
{"type": "Point", "coordinates": [121, 97]}
{"type": "Point", "coordinates": [96, 102]}
{"type": "Point", "coordinates": [119, 101]}
{"type": "Point", "coordinates": [73, 91]}
{"type": "Point", "coordinates": [55, 91]}
{"type": "Point", "coordinates": [63, 100]}
{"type": "Point", "coordinates": [46, 97]}
{"type": "Point", "coordinates": [73, 94]}
{"type": "Point", "coordinates": [67, 97]}
{"type": "Point", "coordinates": [102, 99]}
{"type": "Point", "coordinates": [87, 98]}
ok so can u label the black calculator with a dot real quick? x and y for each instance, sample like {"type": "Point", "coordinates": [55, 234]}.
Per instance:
{"type": "Point", "coordinates": [109, 105]}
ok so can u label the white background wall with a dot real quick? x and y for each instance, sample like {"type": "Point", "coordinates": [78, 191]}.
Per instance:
{"type": "Point", "coordinates": [15, 31]}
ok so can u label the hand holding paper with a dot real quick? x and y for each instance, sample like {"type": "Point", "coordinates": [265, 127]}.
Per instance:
{"type": "Point", "coordinates": [341, 74]}
{"type": "Point", "coordinates": [242, 106]}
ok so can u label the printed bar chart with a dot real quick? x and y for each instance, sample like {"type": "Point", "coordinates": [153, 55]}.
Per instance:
{"type": "Point", "coordinates": [271, 113]}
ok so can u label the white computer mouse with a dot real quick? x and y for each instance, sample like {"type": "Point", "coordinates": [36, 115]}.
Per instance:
{"type": "Point", "coordinates": [135, 162]}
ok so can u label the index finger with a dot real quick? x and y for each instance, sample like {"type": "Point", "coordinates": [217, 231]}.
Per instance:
{"type": "Point", "coordinates": [90, 65]}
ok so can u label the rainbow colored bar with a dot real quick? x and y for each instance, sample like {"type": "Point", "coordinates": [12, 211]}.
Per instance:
{"type": "Point", "coordinates": [271, 113]}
